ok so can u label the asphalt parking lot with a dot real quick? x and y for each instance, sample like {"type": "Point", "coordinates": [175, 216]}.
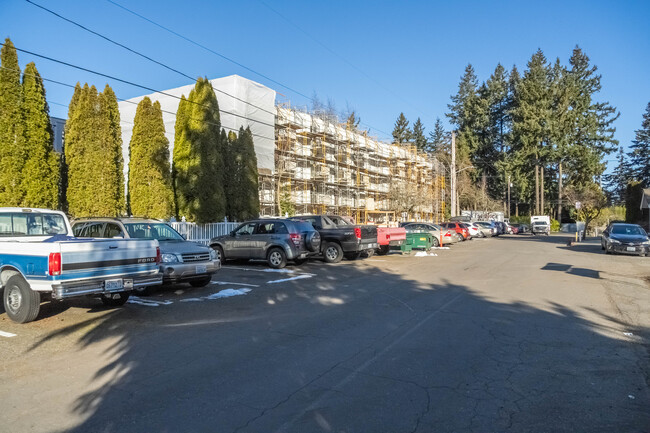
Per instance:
{"type": "Point", "coordinates": [509, 334]}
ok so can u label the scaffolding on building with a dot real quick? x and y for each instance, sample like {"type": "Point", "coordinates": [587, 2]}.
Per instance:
{"type": "Point", "coordinates": [323, 166]}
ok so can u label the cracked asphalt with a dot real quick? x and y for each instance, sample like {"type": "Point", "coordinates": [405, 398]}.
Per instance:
{"type": "Point", "coordinates": [515, 334]}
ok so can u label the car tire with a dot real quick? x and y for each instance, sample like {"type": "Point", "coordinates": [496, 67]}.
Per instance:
{"type": "Point", "coordinates": [435, 243]}
{"type": "Point", "coordinates": [220, 255]}
{"type": "Point", "coordinates": [116, 299]}
{"type": "Point", "coordinates": [201, 282]}
{"type": "Point", "coordinates": [21, 303]}
{"type": "Point", "coordinates": [459, 238]}
{"type": "Point", "coordinates": [369, 253]}
{"type": "Point", "coordinates": [383, 250]}
{"type": "Point", "coordinates": [276, 258]}
{"type": "Point", "coordinates": [332, 252]}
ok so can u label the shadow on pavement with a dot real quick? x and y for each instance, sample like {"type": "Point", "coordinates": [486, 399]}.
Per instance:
{"type": "Point", "coordinates": [360, 349]}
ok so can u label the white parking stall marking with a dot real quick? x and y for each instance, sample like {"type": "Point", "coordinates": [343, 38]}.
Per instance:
{"type": "Point", "coordinates": [227, 293]}
{"type": "Point", "coordinates": [281, 271]}
{"type": "Point", "coordinates": [6, 334]}
{"type": "Point", "coordinates": [224, 283]}
{"type": "Point", "coordinates": [299, 277]}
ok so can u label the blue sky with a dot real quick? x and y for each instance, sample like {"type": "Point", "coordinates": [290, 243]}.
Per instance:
{"type": "Point", "coordinates": [378, 57]}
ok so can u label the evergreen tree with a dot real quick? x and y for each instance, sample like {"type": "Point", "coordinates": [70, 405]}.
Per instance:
{"type": "Point", "coordinates": [115, 146]}
{"type": "Point", "coordinates": [401, 133]}
{"type": "Point", "coordinates": [640, 154]}
{"type": "Point", "coordinates": [41, 174]}
{"type": "Point", "coordinates": [198, 156]}
{"type": "Point", "coordinates": [231, 176]}
{"type": "Point", "coordinates": [419, 139]}
{"type": "Point", "coordinates": [462, 115]}
{"type": "Point", "coordinates": [592, 133]}
{"type": "Point", "coordinates": [617, 181]}
{"type": "Point", "coordinates": [12, 140]}
{"type": "Point", "coordinates": [249, 175]}
{"type": "Point", "coordinates": [150, 185]}
{"type": "Point", "coordinates": [90, 152]}
{"type": "Point", "coordinates": [438, 138]}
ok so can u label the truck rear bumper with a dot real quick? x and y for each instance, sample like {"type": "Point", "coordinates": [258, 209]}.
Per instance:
{"type": "Point", "coordinates": [98, 286]}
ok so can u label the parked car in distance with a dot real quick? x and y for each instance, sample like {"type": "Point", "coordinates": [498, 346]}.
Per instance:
{"type": "Point", "coordinates": [388, 237]}
{"type": "Point", "coordinates": [40, 257]}
{"type": "Point", "coordinates": [488, 227]}
{"type": "Point", "coordinates": [448, 236]}
{"type": "Point", "coordinates": [347, 240]}
{"type": "Point", "coordinates": [181, 261]}
{"type": "Point", "coordinates": [514, 228]}
{"type": "Point", "coordinates": [462, 234]}
{"type": "Point", "coordinates": [274, 240]}
{"type": "Point", "coordinates": [473, 231]}
{"type": "Point", "coordinates": [625, 239]}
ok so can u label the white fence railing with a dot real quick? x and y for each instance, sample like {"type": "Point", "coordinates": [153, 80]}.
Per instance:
{"type": "Point", "coordinates": [202, 233]}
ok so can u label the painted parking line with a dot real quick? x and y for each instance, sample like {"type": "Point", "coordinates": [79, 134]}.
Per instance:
{"type": "Point", "coordinates": [6, 334]}
{"type": "Point", "coordinates": [299, 277]}
{"type": "Point", "coordinates": [281, 271]}
{"type": "Point", "coordinates": [224, 283]}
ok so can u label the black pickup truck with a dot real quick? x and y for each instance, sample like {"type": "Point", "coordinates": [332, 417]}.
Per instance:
{"type": "Point", "coordinates": [347, 241]}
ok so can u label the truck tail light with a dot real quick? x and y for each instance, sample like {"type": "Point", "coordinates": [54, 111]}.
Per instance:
{"type": "Point", "coordinates": [54, 264]}
{"type": "Point", "coordinates": [158, 256]}
{"type": "Point", "coordinates": [295, 238]}
{"type": "Point", "coordinates": [357, 232]}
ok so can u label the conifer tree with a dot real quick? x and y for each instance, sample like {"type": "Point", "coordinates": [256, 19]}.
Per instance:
{"type": "Point", "coordinates": [90, 151]}
{"type": "Point", "coordinates": [249, 175]}
{"type": "Point", "coordinates": [419, 139]}
{"type": "Point", "coordinates": [640, 154]}
{"type": "Point", "coordinates": [231, 175]}
{"type": "Point", "coordinates": [617, 181]}
{"type": "Point", "coordinates": [115, 147]}
{"type": "Point", "coordinates": [462, 115]}
{"type": "Point", "coordinates": [150, 185]}
{"type": "Point", "coordinates": [198, 156]}
{"type": "Point", "coordinates": [41, 174]}
{"type": "Point", "coordinates": [439, 138]}
{"type": "Point", "coordinates": [12, 140]}
{"type": "Point", "coordinates": [401, 132]}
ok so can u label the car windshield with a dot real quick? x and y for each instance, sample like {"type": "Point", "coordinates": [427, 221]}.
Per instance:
{"type": "Point", "coordinates": [628, 230]}
{"type": "Point", "coordinates": [159, 231]}
{"type": "Point", "coordinates": [539, 223]}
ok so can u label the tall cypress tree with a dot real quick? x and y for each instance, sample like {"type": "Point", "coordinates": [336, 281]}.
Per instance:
{"type": "Point", "coordinates": [12, 140]}
{"type": "Point", "coordinates": [150, 184]}
{"type": "Point", "coordinates": [401, 133]}
{"type": "Point", "coordinates": [249, 175]}
{"type": "Point", "coordinates": [640, 154]}
{"type": "Point", "coordinates": [198, 156]}
{"type": "Point", "coordinates": [112, 112]}
{"type": "Point", "coordinates": [231, 176]}
{"type": "Point", "coordinates": [41, 174]}
{"type": "Point", "coordinates": [419, 139]}
{"type": "Point", "coordinates": [90, 151]}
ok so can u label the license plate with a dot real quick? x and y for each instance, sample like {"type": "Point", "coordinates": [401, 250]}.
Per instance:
{"type": "Point", "coordinates": [201, 269]}
{"type": "Point", "coordinates": [128, 284]}
{"type": "Point", "coordinates": [631, 248]}
{"type": "Point", "coordinates": [115, 284]}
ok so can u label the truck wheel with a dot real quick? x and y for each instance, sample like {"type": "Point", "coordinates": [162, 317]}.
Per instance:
{"type": "Point", "coordinates": [116, 299]}
{"type": "Point", "coordinates": [332, 252]}
{"type": "Point", "coordinates": [370, 252]}
{"type": "Point", "coordinates": [22, 304]}
{"type": "Point", "coordinates": [277, 258]}
{"type": "Point", "coordinates": [383, 250]}
{"type": "Point", "coordinates": [201, 282]}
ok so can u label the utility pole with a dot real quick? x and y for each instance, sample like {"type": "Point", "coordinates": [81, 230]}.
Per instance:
{"type": "Point", "coordinates": [452, 174]}
{"type": "Point", "coordinates": [508, 196]}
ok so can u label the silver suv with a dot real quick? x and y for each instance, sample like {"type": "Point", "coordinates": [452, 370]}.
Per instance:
{"type": "Point", "coordinates": [273, 240]}
{"type": "Point", "coordinates": [182, 261]}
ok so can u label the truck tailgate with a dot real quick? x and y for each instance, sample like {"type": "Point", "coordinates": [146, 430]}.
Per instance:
{"type": "Point", "coordinates": [107, 257]}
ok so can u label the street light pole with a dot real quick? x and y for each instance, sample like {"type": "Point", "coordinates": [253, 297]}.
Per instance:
{"type": "Point", "coordinates": [452, 174]}
{"type": "Point", "coordinates": [509, 184]}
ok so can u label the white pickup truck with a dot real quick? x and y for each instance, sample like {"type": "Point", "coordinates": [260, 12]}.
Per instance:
{"type": "Point", "coordinates": [540, 224]}
{"type": "Point", "coordinates": [40, 256]}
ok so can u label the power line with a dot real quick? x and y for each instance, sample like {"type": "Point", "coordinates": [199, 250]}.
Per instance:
{"type": "Point", "coordinates": [337, 55]}
{"type": "Point", "coordinates": [210, 50]}
{"type": "Point", "coordinates": [122, 100]}
{"type": "Point", "coordinates": [106, 38]}
{"type": "Point", "coordinates": [132, 83]}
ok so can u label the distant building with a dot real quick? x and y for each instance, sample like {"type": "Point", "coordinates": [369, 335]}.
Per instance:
{"type": "Point", "coordinates": [58, 132]}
